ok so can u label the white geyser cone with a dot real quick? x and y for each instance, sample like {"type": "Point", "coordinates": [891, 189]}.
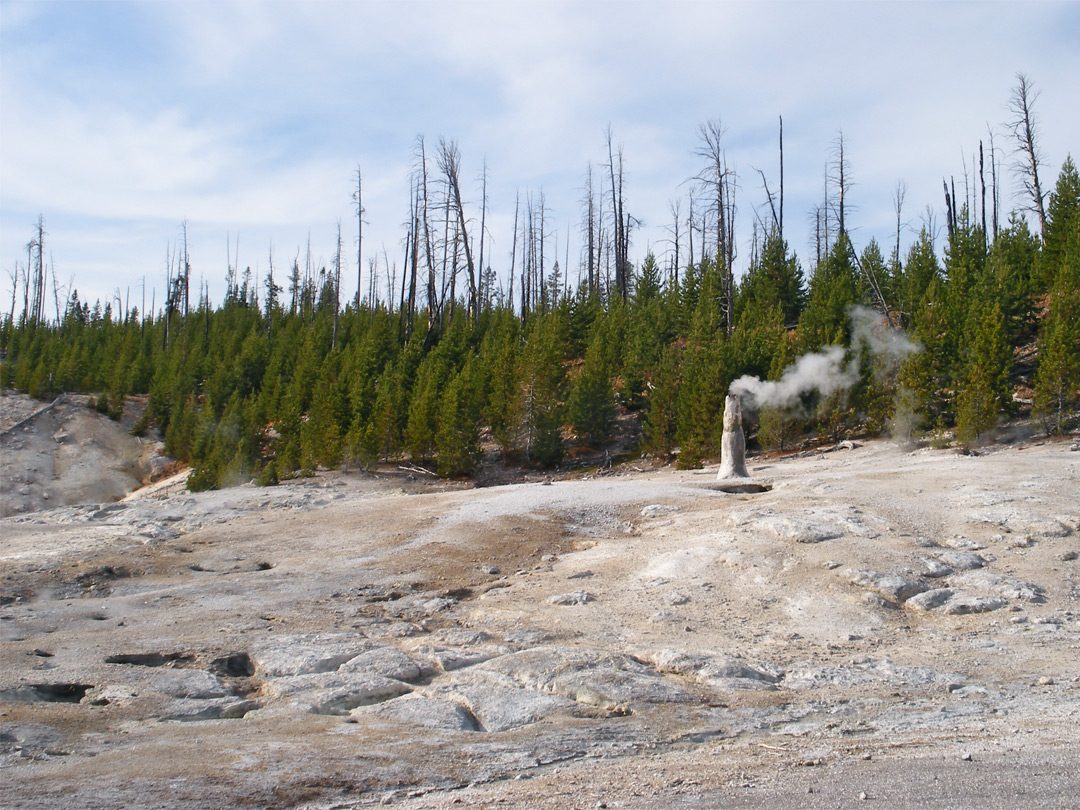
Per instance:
{"type": "Point", "coordinates": [733, 442]}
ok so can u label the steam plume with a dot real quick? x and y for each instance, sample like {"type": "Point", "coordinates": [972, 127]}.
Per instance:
{"type": "Point", "coordinates": [825, 371]}
{"type": "Point", "coordinates": [869, 329]}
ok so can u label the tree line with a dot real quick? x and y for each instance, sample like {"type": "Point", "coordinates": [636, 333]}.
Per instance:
{"type": "Point", "coordinates": [266, 384]}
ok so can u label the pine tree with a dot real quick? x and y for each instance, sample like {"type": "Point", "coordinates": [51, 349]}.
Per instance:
{"type": "Point", "coordinates": [1063, 221]}
{"type": "Point", "coordinates": [833, 290]}
{"type": "Point", "coordinates": [925, 374]}
{"type": "Point", "coordinates": [648, 328]}
{"type": "Point", "coordinates": [1012, 262]}
{"type": "Point", "coordinates": [388, 420]}
{"type": "Point", "coordinates": [874, 281]}
{"type": "Point", "coordinates": [758, 335]}
{"type": "Point", "coordinates": [591, 406]}
{"type": "Point", "coordinates": [424, 407]}
{"type": "Point", "coordinates": [661, 424]}
{"type": "Point", "coordinates": [323, 435]}
{"type": "Point", "coordinates": [779, 427]}
{"type": "Point", "coordinates": [700, 406]}
{"type": "Point", "coordinates": [918, 271]}
{"type": "Point", "coordinates": [985, 394]}
{"type": "Point", "coordinates": [457, 439]}
{"type": "Point", "coordinates": [539, 403]}
{"type": "Point", "coordinates": [1057, 379]}
{"type": "Point", "coordinates": [964, 282]}
{"type": "Point", "coordinates": [501, 358]}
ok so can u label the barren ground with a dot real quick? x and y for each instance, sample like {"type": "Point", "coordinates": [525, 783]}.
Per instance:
{"type": "Point", "coordinates": [885, 627]}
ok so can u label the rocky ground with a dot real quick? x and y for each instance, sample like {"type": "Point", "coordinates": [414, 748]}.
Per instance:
{"type": "Point", "coordinates": [885, 627]}
{"type": "Point", "coordinates": [62, 452]}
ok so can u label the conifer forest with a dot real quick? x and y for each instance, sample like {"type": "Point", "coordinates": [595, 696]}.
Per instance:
{"type": "Point", "coordinates": [456, 365]}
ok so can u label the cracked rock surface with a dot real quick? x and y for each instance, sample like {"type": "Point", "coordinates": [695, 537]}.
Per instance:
{"type": "Point", "coordinates": [899, 624]}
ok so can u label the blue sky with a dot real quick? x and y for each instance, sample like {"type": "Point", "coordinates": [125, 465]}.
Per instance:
{"type": "Point", "coordinates": [119, 120]}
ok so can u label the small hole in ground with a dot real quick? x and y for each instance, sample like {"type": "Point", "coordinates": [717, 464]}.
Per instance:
{"type": "Point", "coordinates": [60, 692]}
{"type": "Point", "coordinates": [149, 659]}
{"type": "Point", "coordinates": [234, 665]}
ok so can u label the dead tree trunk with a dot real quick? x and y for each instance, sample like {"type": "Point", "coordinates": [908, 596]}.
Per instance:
{"type": "Point", "coordinates": [1023, 130]}
{"type": "Point", "coordinates": [781, 179]}
{"type": "Point", "coordinates": [621, 241]}
{"type": "Point", "coordinates": [690, 232]}
{"type": "Point", "coordinates": [485, 283]}
{"type": "Point", "coordinates": [445, 260]}
{"type": "Point", "coordinates": [898, 201]}
{"type": "Point", "coordinates": [769, 197]}
{"type": "Point", "coordinates": [336, 281]}
{"type": "Point", "coordinates": [26, 287]}
{"type": "Point", "coordinates": [185, 302]}
{"type": "Point", "coordinates": [993, 185]}
{"type": "Point", "coordinates": [949, 221]}
{"type": "Point", "coordinates": [449, 164]}
{"type": "Point", "coordinates": [541, 280]}
{"type": "Point", "coordinates": [590, 232]}
{"type": "Point", "coordinates": [14, 276]}
{"type": "Point", "coordinates": [675, 207]}
{"type": "Point", "coordinates": [415, 260]}
{"type": "Point", "coordinates": [513, 256]}
{"type": "Point", "coordinates": [429, 253]}
{"type": "Point", "coordinates": [840, 176]}
{"type": "Point", "coordinates": [715, 178]}
{"type": "Point", "coordinates": [358, 198]}
{"type": "Point", "coordinates": [982, 184]}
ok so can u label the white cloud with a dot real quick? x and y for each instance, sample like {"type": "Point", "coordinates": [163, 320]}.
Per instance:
{"type": "Point", "coordinates": [253, 116]}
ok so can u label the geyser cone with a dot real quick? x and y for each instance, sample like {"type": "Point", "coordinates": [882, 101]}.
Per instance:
{"type": "Point", "coordinates": [733, 442]}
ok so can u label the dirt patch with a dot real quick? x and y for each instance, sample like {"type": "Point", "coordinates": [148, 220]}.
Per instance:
{"type": "Point", "coordinates": [62, 452]}
{"type": "Point", "coordinates": [347, 640]}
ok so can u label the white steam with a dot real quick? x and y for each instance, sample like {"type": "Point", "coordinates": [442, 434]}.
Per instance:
{"type": "Point", "coordinates": [826, 371]}
{"type": "Point", "coordinates": [823, 371]}
{"type": "Point", "coordinates": [870, 329]}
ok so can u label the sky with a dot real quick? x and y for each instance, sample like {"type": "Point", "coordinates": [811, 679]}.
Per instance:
{"type": "Point", "coordinates": [119, 121]}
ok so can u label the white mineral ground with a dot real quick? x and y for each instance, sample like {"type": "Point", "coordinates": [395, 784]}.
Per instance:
{"type": "Point", "coordinates": [901, 626]}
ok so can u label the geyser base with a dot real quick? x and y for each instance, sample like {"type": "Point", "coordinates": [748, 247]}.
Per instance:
{"type": "Point", "coordinates": [737, 486]}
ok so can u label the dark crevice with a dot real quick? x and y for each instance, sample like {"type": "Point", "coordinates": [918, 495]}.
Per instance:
{"type": "Point", "coordinates": [233, 665]}
{"type": "Point", "coordinates": [47, 692]}
{"type": "Point", "coordinates": [151, 659]}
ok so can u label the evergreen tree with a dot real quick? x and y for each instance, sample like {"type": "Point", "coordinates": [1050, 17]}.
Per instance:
{"type": "Point", "coordinates": [874, 280]}
{"type": "Point", "coordinates": [322, 435]}
{"type": "Point", "coordinates": [661, 422]}
{"type": "Point", "coordinates": [1011, 262]}
{"type": "Point", "coordinates": [1057, 379]}
{"type": "Point", "coordinates": [539, 403]}
{"type": "Point", "coordinates": [432, 377]}
{"type": "Point", "coordinates": [926, 373]}
{"type": "Point", "coordinates": [1063, 221]}
{"type": "Point", "coordinates": [700, 405]}
{"type": "Point", "coordinates": [591, 406]}
{"type": "Point", "coordinates": [964, 285]}
{"type": "Point", "coordinates": [647, 329]}
{"type": "Point", "coordinates": [779, 427]}
{"type": "Point", "coordinates": [500, 356]}
{"type": "Point", "coordinates": [833, 290]}
{"type": "Point", "coordinates": [457, 438]}
{"type": "Point", "coordinates": [985, 394]}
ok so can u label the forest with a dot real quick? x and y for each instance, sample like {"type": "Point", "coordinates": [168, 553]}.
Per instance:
{"type": "Point", "coordinates": [452, 369]}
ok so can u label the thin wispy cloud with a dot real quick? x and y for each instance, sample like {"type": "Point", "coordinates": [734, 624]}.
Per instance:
{"type": "Point", "coordinates": [128, 118]}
